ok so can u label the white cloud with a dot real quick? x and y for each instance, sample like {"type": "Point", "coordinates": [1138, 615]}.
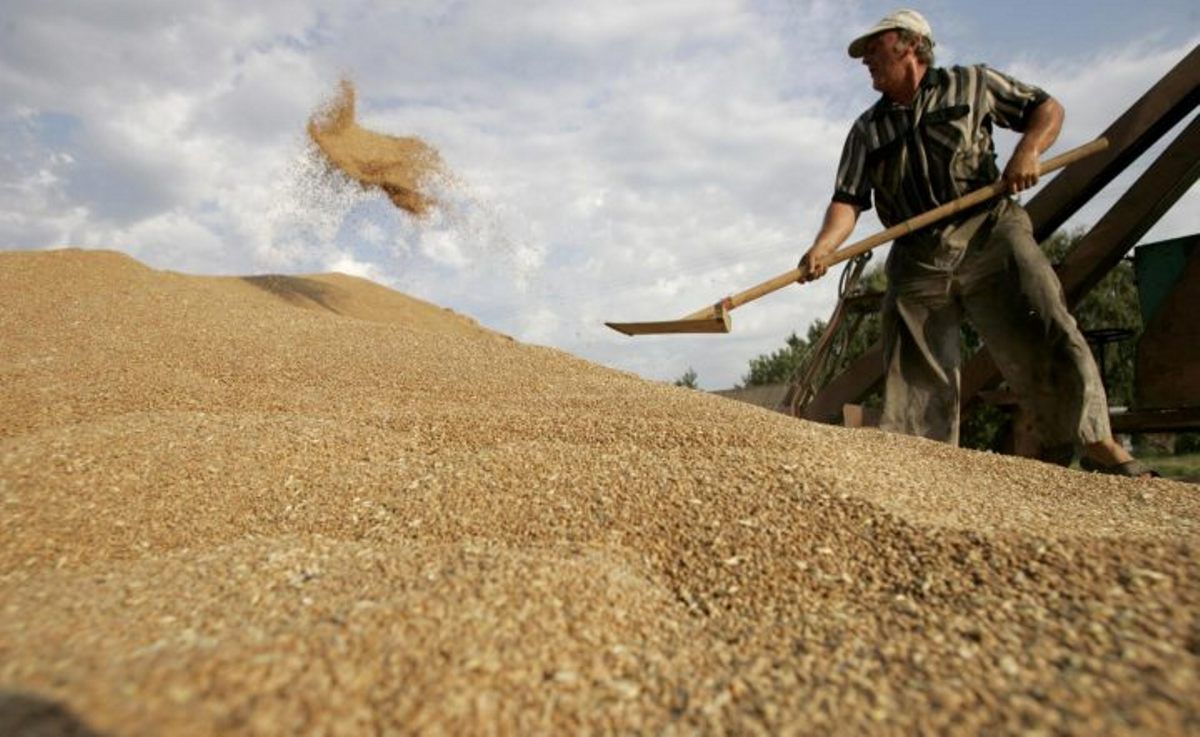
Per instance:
{"type": "Point", "coordinates": [178, 108]}
{"type": "Point", "coordinates": [174, 240]}
{"type": "Point", "coordinates": [346, 263]}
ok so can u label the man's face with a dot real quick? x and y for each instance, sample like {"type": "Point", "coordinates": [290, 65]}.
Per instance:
{"type": "Point", "coordinates": [884, 61]}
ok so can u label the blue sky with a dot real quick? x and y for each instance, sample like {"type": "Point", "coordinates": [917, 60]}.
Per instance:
{"type": "Point", "coordinates": [612, 161]}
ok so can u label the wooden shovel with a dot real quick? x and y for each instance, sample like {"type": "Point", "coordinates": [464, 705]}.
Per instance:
{"type": "Point", "coordinates": [715, 319]}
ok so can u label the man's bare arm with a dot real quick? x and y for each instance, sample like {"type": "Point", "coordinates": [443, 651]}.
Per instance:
{"type": "Point", "coordinates": [1023, 168]}
{"type": "Point", "coordinates": [840, 219]}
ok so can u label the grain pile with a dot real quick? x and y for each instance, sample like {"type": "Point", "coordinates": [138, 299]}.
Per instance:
{"type": "Point", "coordinates": [403, 167]}
{"type": "Point", "coordinates": [285, 504]}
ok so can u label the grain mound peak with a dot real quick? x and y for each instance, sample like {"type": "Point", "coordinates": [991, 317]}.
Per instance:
{"type": "Point", "coordinates": [273, 505]}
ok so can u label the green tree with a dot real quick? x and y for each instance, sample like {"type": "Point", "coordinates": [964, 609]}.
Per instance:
{"type": "Point", "coordinates": [688, 379]}
{"type": "Point", "coordinates": [776, 367]}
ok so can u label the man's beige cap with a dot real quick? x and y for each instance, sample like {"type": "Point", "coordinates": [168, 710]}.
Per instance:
{"type": "Point", "coordinates": [909, 20]}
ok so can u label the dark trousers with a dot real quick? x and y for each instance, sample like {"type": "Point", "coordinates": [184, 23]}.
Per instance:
{"type": "Point", "coordinates": [989, 269]}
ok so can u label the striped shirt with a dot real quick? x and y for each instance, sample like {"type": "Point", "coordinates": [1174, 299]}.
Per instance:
{"type": "Point", "coordinates": [917, 157]}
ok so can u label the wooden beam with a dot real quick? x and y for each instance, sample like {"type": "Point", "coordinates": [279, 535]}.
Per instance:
{"type": "Point", "coordinates": [1163, 107]}
{"type": "Point", "coordinates": [860, 378]}
{"type": "Point", "coordinates": [1182, 419]}
{"type": "Point", "coordinates": [1154, 193]}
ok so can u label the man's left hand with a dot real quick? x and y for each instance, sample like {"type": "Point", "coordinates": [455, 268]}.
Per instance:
{"type": "Point", "coordinates": [1022, 171]}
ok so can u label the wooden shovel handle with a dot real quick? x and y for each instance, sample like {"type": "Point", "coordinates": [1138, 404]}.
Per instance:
{"type": "Point", "coordinates": [914, 223]}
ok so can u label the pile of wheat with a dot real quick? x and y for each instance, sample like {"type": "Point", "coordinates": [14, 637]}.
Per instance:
{"type": "Point", "coordinates": [284, 504]}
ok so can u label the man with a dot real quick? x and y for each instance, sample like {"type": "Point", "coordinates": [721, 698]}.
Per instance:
{"type": "Point", "coordinates": [927, 141]}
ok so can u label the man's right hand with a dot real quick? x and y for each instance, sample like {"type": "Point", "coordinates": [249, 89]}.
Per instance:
{"type": "Point", "coordinates": [840, 218]}
{"type": "Point", "coordinates": [813, 264]}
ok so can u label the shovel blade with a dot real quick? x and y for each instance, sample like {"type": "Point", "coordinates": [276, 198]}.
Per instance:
{"type": "Point", "coordinates": [720, 324]}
